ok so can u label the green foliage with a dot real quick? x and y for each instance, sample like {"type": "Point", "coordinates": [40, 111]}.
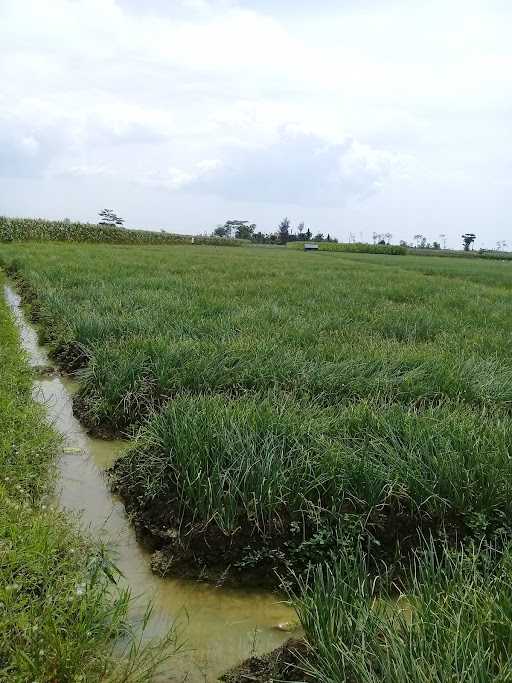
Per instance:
{"type": "Point", "coordinates": [495, 255]}
{"type": "Point", "coordinates": [467, 240]}
{"type": "Point", "coordinates": [355, 247]}
{"type": "Point", "coordinates": [283, 230]}
{"type": "Point", "coordinates": [152, 323]}
{"type": "Point", "coordinates": [38, 229]}
{"type": "Point", "coordinates": [273, 385]}
{"type": "Point", "coordinates": [108, 217]}
{"type": "Point", "coordinates": [453, 624]}
{"type": "Point", "coordinates": [263, 463]}
{"type": "Point", "coordinates": [62, 618]}
{"type": "Point", "coordinates": [309, 407]}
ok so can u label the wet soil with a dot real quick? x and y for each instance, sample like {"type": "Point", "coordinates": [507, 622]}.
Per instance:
{"type": "Point", "coordinates": [282, 664]}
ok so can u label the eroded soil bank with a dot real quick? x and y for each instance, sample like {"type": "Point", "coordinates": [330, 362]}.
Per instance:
{"type": "Point", "coordinates": [282, 664]}
{"type": "Point", "coordinates": [221, 627]}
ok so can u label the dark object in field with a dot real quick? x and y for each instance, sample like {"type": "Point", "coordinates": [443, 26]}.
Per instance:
{"type": "Point", "coordinates": [309, 246]}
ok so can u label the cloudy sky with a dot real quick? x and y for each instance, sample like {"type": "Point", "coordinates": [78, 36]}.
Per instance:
{"type": "Point", "coordinates": [351, 115]}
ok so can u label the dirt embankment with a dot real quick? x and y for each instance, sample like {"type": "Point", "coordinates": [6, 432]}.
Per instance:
{"type": "Point", "coordinates": [285, 663]}
{"type": "Point", "coordinates": [182, 547]}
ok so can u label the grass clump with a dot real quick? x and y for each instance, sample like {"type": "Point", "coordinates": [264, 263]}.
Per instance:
{"type": "Point", "coordinates": [62, 618]}
{"type": "Point", "coordinates": [285, 484]}
{"type": "Point", "coordinates": [454, 623]}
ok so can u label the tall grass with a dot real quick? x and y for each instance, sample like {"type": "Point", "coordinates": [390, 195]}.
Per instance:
{"type": "Point", "coordinates": [148, 324]}
{"type": "Point", "coordinates": [454, 624]}
{"type": "Point", "coordinates": [273, 469]}
{"type": "Point", "coordinates": [290, 410]}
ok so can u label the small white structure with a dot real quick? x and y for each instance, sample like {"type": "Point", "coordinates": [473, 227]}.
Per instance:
{"type": "Point", "coordinates": [310, 246]}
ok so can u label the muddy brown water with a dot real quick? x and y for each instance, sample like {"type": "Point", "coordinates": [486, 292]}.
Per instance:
{"type": "Point", "coordinates": [220, 626]}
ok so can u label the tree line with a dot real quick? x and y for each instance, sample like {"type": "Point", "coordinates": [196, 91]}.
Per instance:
{"type": "Point", "coordinates": [421, 242]}
{"type": "Point", "coordinates": [244, 230]}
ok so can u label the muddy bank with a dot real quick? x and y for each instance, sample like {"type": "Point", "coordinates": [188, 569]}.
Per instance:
{"type": "Point", "coordinates": [204, 552]}
{"type": "Point", "coordinates": [285, 663]}
{"type": "Point", "coordinates": [182, 546]}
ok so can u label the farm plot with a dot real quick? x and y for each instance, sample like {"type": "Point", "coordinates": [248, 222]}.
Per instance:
{"type": "Point", "coordinates": [286, 406]}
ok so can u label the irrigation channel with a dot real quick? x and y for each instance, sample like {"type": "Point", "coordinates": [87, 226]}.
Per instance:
{"type": "Point", "coordinates": [220, 626]}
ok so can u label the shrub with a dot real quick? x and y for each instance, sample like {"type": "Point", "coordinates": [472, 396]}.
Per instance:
{"type": "Point", "coordinates": [355, 247]}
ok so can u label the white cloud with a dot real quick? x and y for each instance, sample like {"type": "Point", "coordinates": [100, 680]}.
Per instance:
{"type": "Point", "coordinates": [298, 168]}
{"type": "Point", "coordinates": [322, 104]}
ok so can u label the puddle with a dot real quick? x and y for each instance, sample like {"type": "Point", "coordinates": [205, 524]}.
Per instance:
{"type": "Point", "coordinates": [221, 626]}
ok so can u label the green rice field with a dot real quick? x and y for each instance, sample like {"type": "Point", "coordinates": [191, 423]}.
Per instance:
{"type": "Point", "coordinates": [293, 414]}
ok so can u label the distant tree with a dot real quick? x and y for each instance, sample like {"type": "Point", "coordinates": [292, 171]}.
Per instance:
{"type": "Point", "coordinates": [300, 232]}
{"type": "Point", "coordinates": [388, 237]}
{"type": "Point", "coordinates": [328, 238]}
{"type": "Point", "coordinates": [221, 231]}
{"type": "Point", "coordinates": [436, 245]}
{"type": "Point", "coordinates": [375, 237]}
{"type": "Point", "coordinates": [418, 239]}
{"type": "Point", "coordinates": [235, 226]}
{"type": "Point", "coordinates": [403, 243]}
{"type": "Point", "coordinates": [319, 237]}
{"type": "Point", "coordinates": [467, 240]}
{"type": "Point", "coordinates": [308, 234]}
{"type": "Point", "coordinates": [108, 217]}
{"type": "Point", "coordinates": [244, 231]}
{"type": "Point", "coordinates": [381, 242]}
{"type": "Point", "coordinates": [283, 230]}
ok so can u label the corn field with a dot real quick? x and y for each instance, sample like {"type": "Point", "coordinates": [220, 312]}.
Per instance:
{"type": "Point", "coordinates": [42, 230]}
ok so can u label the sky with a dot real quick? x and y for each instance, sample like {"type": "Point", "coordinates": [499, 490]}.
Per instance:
{"type": "Point", "coordinates": [354, 116]}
